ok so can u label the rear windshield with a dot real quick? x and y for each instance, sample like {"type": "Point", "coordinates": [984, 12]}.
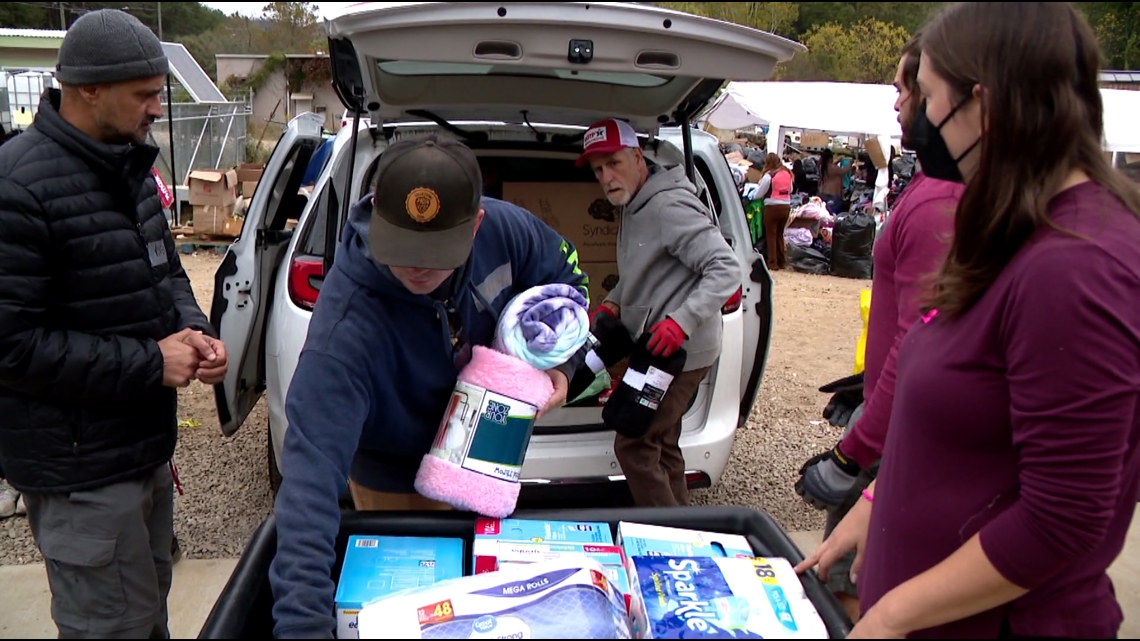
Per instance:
{"type": "Point", "coordinates": [411, 68]}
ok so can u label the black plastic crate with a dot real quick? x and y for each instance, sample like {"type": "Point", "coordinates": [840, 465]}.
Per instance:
{"type": "Point", "coordinates": [244, 608]}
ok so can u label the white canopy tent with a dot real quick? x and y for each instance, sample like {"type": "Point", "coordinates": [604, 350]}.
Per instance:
{"type": "Point", "coordinates": [837, 108]}
{"type": "Point", "coordinates": [840, 108]}
{"type": "Point", "coordinates": [861, 109]}
{"type": "Point", "coordinates": [1121, 120]}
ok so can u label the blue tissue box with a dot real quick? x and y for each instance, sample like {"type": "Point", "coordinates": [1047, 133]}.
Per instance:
{"type": "Point", "coordinates": [377, 566]}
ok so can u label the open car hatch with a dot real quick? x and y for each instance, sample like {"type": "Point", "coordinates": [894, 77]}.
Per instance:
{"type": "Point", "coordinates": [540, 62]}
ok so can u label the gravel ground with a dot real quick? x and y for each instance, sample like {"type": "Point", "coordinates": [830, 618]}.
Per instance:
{"type": "Point", "coordinates": [817, 322]}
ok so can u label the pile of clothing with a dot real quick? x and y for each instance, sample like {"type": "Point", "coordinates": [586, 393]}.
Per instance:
{"type": "Point", "coordinates": [817, 233]}
{"type": "Point", "coordinates": [834, 245]}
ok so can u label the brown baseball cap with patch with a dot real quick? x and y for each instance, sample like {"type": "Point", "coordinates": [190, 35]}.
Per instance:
{"type": "Point", "coordinates": [427, 194]}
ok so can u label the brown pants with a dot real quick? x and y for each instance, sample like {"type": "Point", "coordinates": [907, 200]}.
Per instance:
{"type": "Point", "coordinates": [653, 464]}
{"type": "Point", "coordinates": [775, 222]}
{"type": "Point", "coordinates": [365, 499]}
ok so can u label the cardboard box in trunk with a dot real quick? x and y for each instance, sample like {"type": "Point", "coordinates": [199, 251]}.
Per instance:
{"type": "Point", "coordinates": [213, 187]}
{"type": "Point", "coordinates": [214, 220]}
{"type": "Point", "coordinates": [578, 211]}
{"type": "Point", "coordinates": [247, 189]}
{"type": "Point", "coordinates": [603, 278]}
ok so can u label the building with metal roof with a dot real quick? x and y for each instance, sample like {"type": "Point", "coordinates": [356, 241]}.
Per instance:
{"type": "Point", "coordinates": [1120, 80]}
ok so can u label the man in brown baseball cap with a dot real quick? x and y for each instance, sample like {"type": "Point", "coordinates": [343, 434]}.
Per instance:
{"type": "Point", "coordinates": [426, 209]}
{"type": "Point", "coordinates": [424, 268]}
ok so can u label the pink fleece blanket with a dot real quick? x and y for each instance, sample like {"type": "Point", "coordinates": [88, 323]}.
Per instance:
{"type": "Point", "coordinates": [477, 456]}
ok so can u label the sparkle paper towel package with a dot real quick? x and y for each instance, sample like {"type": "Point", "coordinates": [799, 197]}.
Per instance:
{"type": "Point", "coordinates": [564, 599]}
{"type": "Point", "coordinates": [377, 566]}
{"type": "Point", "coordinates": [721, 598]}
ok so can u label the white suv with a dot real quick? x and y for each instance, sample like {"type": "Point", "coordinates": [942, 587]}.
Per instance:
{"type": "Point", "coordinates": [518, 82]}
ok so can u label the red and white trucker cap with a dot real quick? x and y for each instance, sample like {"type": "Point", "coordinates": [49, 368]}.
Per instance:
{"type": "Point", "coordinates": [606, 137]}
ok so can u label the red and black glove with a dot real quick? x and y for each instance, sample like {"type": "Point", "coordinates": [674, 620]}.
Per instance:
{"type": "Point", "coordinates": [667, 337]}
{"type": "Point", "coordinates": [598, 311]}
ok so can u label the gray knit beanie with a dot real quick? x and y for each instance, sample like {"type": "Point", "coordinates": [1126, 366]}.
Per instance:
{"type": "Point", "coordinates": [109, 46]}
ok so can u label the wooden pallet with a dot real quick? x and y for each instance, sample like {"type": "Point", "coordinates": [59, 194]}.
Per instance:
{"type": "Point", "coordinates": [189, 242]}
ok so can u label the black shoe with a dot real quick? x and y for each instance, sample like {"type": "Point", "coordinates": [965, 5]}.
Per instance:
{"type": "Point", "coordinates": [175, 551]}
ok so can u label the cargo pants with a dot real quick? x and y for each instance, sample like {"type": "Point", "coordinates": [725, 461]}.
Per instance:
{"type": "Point", "coordinates": [653, 465]}
{"type": "Point", "coordinates": [107, 555]}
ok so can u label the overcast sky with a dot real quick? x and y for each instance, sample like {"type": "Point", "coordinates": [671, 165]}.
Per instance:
{"type": "Point", "coordinates": [254, 8]}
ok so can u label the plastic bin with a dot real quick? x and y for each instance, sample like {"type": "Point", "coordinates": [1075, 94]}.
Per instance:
{"type": "Point", "coordinates": [244, 608]}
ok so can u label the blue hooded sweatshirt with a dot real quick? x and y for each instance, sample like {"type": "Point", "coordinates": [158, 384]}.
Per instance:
{"type": "Point", "coordinates": [373, 382]}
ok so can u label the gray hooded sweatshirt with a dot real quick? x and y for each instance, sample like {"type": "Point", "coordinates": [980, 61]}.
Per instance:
{"type": "Point", "coordinates": [673, 262]}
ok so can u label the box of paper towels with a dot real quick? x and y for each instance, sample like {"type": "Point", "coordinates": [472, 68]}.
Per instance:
{"type": "Point", "coordinates": [564, 599]}
{"type": "Point", "coordinates": [721, 598]}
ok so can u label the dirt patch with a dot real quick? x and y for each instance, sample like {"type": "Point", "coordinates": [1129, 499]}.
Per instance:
{"type": "Point", "coordinates": [816, 328]}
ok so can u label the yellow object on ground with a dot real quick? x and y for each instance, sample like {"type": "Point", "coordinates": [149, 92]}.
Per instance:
{"type": "Point", "coordinates": [865, 312]}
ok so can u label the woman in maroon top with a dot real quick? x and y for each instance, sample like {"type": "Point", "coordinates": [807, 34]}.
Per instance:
{"type": "Point", "coordinates": [1011, 469]}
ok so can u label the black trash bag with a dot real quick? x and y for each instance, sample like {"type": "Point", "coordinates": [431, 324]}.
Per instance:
{"type": "Point", "coordinates": [808, 260]}
{"type": "Point", "coordinates": [852, 242]}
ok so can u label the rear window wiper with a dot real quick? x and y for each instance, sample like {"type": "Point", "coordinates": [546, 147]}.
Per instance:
{"type": "Point", "coordinates": [466, 136]}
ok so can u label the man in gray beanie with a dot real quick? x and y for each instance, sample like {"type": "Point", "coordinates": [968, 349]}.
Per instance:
{"type": "Point", "coordinates": [98, 329]}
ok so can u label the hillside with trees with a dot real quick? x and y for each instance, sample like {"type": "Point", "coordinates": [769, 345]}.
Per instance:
{"type": "Point", "coordinates": [859, 41]}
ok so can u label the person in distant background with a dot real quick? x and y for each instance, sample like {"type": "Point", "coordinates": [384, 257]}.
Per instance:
{"type": "Point", "coordinates": [799, 174]}
{"type": "Point", "coordinates": [831, 176]}
{"type": "Point", "coordinates": [776, 188]}
{"type": "Point", "coordinates": [847, 161]}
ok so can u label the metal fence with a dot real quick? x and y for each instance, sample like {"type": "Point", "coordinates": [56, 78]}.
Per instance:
{"type": "Point", "coordinates": [206, 136]}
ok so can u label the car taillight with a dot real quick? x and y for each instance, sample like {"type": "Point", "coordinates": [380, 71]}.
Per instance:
{"type": "Point", "coordinates": [734, 301]}
{"type": "Point", "coordinates": [301, 274]}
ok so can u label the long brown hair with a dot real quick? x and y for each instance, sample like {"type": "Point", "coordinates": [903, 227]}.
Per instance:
{"type": "Point", "coordinates": [911, 53]}
{"type": "Point", "coordinates": [1039, 63]}
{"type": "Point", "coordinates": [772, 163]}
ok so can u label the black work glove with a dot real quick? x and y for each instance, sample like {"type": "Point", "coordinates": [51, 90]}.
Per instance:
{"type": "Point", "coordinates": [846, 395]}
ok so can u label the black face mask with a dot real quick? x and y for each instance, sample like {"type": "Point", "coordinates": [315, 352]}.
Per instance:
{"type": "Point", "coordinates": [930, 147]}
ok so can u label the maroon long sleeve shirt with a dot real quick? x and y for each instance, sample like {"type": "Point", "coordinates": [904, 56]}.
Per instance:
{"type": "Point", "coordinates": [913, 246]}
{"type": "Point", "coordinates": [1020, 420]}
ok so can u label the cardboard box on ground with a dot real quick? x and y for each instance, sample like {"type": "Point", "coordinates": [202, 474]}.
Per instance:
{"type": "Point", "coordinates": [580, 212]}
{"type": "Point", "coordinates": [214, 198]}
{"type": "Point", "coordinates": [248, 175]}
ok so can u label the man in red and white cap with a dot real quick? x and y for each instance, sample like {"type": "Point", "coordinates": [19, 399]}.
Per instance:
{"type": "Point", "coordinates": [676, 272]}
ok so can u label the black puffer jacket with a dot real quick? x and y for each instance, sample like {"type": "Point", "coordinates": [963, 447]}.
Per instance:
{"type": "Point", "coordinates": [89, 283]}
